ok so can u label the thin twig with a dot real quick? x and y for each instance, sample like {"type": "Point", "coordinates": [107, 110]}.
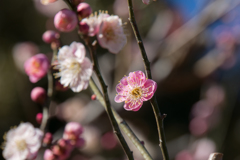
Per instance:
{"type": "Point", "coordinates": [113, 121]}
{"type": "Point", "coordinates": [157, 113]}
{"type": "Point", "coordinates": [49, 94]}
{"type": "Point", "coordinates": [122, 123]}
{"type": "Point", "coordinates": [119, 120]}
{"type": "Point", "coordinates": [48, 100]}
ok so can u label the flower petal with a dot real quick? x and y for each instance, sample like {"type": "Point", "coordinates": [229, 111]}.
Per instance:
{"type": "Point", "coordinates": [149, 89]}
{"type": "Point", "coordinates": [120, 98]}
{"type": "Point", "coordinates": [122, 88]}
{"type": "Point", "coordinates": [136, 79]}
{"type": "Point", "coordinates": [133, 105]}
{"type": "Point", "coordinates": [78, 50]}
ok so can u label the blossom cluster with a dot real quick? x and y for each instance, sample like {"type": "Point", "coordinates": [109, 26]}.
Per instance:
{"type": "Point", "coordinates": [71, 139]}
{"type": "Point", "coordinates": [107, 28]}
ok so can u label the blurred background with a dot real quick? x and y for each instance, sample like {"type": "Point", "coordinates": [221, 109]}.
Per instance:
{"type": "Point", "coordinates": [193, 46]}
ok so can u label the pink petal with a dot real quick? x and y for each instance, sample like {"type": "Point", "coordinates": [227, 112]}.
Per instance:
{"type": "Point", "coordinates": [150, 86]}
{"type": "Point", "coordinates": [133, 105]}
{"type": "Point", "coordinates": [149, 89]}
{"type": "Point", "coordinates": [34, 79]}
{"type": "Point", "coordinates": [122, 88]}
{"type": "Point", "coordinates": [119, 98]}
{"type": "Point", "coordinates": [136, 78]}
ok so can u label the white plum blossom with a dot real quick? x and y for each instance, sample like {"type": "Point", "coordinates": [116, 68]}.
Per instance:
{"type": "Point", "coordinates": [111, 34]}
{"type": "Point", "coordinates": [109, 31]}
{"type": "Point", "coordinates": [75, 69]}
{"type": "Point", "coordinates": [22, 143]}
{"type": "Point", "coordinates": [94, 21]}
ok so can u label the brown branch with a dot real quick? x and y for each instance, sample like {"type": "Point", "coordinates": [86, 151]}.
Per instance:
{"type": "Point", "coordinates": [112, 119]}
{"type": "Point", "coordinates": [159, 118]}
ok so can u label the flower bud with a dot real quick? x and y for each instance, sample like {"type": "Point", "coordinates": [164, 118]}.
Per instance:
{"type": "Point", "coordinates": [50, 36]}
{"type": "Point", "coordinates": [36, 67]}
{"type": "Point", "coordinates": [38, 95]}
{"type": "Point", "coordinates": [72, 131]}
{"type": "Point", "coordinates": [60, 87]}
{"type": "Point", "coordinates": [83, 27]}
{"type": "Point", "coordinates": [62, 149]}
{"type": "Point", "coordinates": [93, 97]}
{"type": "Point", "coordinates": [39, 118]}
{"type": "Point", "coordinates": [65, 20]}
{"type": "Point", "coordinates": [84, 10]}
{"type": "Point", "coordinates": [47, 140]}
{"type": "Point", "coordinates": [48, 155]}
{"type": "Point", "coordinates": [76, 2]}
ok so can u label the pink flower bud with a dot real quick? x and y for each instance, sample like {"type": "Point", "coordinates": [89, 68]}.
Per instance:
{"type": "Point", "coordinates": [76, 2]}
{"type": "Point", "coordinates": [39, 117]}
{"type": "Point", "coordinates": [47, 138]}
{"type": "Point", "coordinates": [60, 87]}
{"type": "Point", "coordinates": [83, 27]}
{"type": "Point", "coordinates": [38, 95]}
{"type": "Point", "coordinates": [93, 97]}
{"type": "Point", "coordinates": [84, 10]}
{"type": "Point", "coordinates": [50, 36]}
{"type": "Point", "coordinates": [36, 67]}
{"type": "Point", "coordinates": [48, 155]}
{"type": "Point", "coordinates": [65, 20]}
{"type": "Point", "coordinates": [72, 131]}
{"type": "Point", "coordinates": [62, 149]}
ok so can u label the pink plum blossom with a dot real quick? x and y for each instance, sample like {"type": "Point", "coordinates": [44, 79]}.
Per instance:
{"type": "Point", "coordinates": [22, 142]}
{"type": "Point", "coordinates": [36, 67]}
{"type": "Point", "coordinates": [65, 20]}
{"type": "Point", "coordinates": [134, 89]}
{"type": "Point", "coordinates": [75, 69]}
{"type": "Point", "coordinates": [111, 34]}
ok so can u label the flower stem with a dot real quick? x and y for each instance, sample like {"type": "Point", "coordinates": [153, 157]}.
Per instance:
{"type": "Point", "coordinates": [159, 117]}
{"type": "Point", "coordinates": [113, 121]}
{"type": "Point", "coordinates": [49, 94]}
{"type": "Point", "coordinates": [122, 123]}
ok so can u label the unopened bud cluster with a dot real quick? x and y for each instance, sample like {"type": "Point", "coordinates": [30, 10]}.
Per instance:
{"type": "Point", "coordinates": [71, 139]}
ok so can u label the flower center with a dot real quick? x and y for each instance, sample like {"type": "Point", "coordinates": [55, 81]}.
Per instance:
{"type": "Point", "coordinates": [136, 93]}
{"type": "Point", "coordinates": [21, 145]}
{"type": "Point", "coordinates": [75, 67]}
{"type": "Point", "coordinates": [35, 66]}
{"type": "Point", "coordinates": [109, 33]}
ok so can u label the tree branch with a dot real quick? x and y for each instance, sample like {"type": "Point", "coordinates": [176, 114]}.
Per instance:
{"type": "Point", "coordinates": [159, 118]}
